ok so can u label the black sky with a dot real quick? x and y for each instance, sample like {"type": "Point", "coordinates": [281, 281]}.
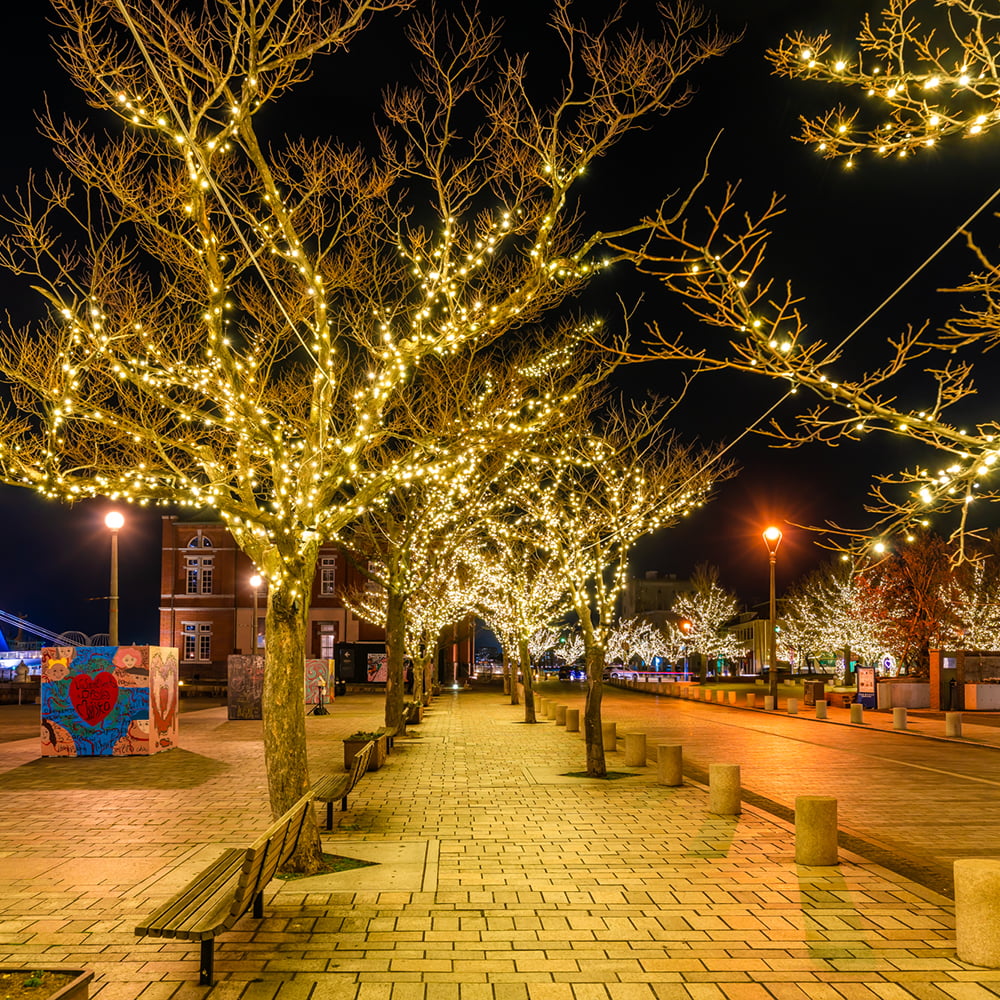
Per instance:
{"type": "Point", "coordinates": [847, 239]}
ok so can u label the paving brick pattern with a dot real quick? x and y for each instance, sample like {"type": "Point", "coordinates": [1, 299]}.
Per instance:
{"type": "Point", "coordinates": [534, 885]}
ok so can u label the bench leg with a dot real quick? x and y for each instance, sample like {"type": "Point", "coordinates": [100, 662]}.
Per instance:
{"type": "Point", "coordinates": [207, 975]}
{"type": "Point", "coordinates": [329, 815]}
{"type": "Point", "coordinates": [343, 804]}
{"type": "Point", "coordinates": [258, 905]}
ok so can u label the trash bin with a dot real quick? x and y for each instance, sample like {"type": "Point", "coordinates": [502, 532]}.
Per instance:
{"type": "Point", "coordinates": [813, 691]}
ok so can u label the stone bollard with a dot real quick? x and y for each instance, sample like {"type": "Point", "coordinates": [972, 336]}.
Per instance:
{"type": "Point", "coordinates": [560, 715]}
{"type": "Point", "coordinates": [635, 749]}
{"type": "Point", "coordinates": [609, 736]}
{"type": "Point", "coordinates": [815, 830]}
{"type": "Point", "coordinates": [793, 706]}
{"type": "Point", "coordinates": [751, 699]}
{"type": "Point", "coordinates": [732, 697]}
{"type": "Point", "coordinates": [857, 714]}
{"type": "Point", "coordinates": [707, 694]}
{"type": "Point", "coordinates": [720, 696]}
{"type": "Point", "coordinates": [550, 709]}
{"type": "Point", "coordinates": [953, 724]}
{"type": "Point", "coordinates": [977, 911]}
{"type": "Point", "coordinates": [899, 718]}
{"type": "Point", "coordinates": [670, 764]}
{"type": "Point", "coordinates": [572, 720]}
{"type": "Point", "coordinates": [820, 708]}
{"type": "Point", "coordinates": [770, 702]}
{"type": "Point", "coordinates": [724, 789]}
{"type": "Point", "coordinates": [541, 707]}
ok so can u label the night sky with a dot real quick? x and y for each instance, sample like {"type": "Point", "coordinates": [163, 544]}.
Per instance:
{"type": "Point", "coordinates": [847, 239]}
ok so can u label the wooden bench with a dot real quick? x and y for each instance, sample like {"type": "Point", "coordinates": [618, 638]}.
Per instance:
{"type": "Point", "coordinates": [220, 894]}
{"type": "Point", "coordinates": [843, 699]}
{"type": "Point", "coordinates": [337, 786]}
{"type": "Point", "coordinates": [389, 733]}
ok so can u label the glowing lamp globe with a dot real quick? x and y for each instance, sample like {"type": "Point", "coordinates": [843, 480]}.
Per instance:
{"type": "Point", "coordinates": [114, 520]}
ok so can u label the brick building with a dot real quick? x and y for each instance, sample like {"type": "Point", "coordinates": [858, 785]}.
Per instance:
{"type": "Point", "coordinates": [207, 601]}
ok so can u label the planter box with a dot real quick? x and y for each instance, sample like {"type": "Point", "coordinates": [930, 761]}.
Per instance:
{"type": "Point", "coordinates": [904, 694]}
{"type": "Point", "coordinates": [982, 697]}
{"type": "Point", "coordinates": [76, 988]}
{"type": "Point", "coordinates": [379, 754]}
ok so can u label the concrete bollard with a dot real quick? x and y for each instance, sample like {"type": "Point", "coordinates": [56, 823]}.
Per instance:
{"type": "Point", "coordinates": [609, 736]}
{"type": "Point", "coordinates": [792, 706]}
{"type": "Point", "coordinates": [670, 764]}
{"type": "Point", "coordinates": [732, 697]}
{"type": "Point", "coordinates": [720, 696]}
{"type": "Point", "coordinates": [820, 708]}
{"type": "Point", "coordinates": [550, 709]}
{"type": "Point", "coordinates": [815, 830]}
{"type": "Point", "coordinates": [899, 718]}
{"type": "Point", "coordinates": [572, 720]}
{"type": "Point", "coordinates": [751, 699]}
{"type": "Point", "coordinates": [540, 708]}
{"type": "Point", "coordinates": [770, 703]}
{"type": "Point", "coordinates": [857, 714]}
{"type": "Point", "coordinates": [977, 911]}
{"type": "Point", "coordinates": [724, 789]}
{"type": "Point", "coordinates": [953, 724]}
{"type": "Point", "coordinates": [635, 749]}
{"type": "Point", "coordinates": [560, 715]}
{"type": "Point", "coordinates": [707, 695]}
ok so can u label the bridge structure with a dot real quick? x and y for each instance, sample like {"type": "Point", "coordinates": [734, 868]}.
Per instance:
{"type": "Point", "coordinates": [48, 637]}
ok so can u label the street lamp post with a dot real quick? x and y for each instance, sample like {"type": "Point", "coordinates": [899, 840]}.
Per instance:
{"type": "Point", "coordinates": [113, 521]}
{"type": "Point", "coordinates": [772, 539]}
{"type": "Point", "coordinates": [255, 582]}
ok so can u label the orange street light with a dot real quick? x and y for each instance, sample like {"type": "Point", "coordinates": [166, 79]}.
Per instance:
{"type": "Point", "coordinates": [113, 520]}
{"type": "Point", "coordinates": [772, 539]}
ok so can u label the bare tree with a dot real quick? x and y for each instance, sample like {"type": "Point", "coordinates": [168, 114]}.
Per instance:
{"type": "Point", "coordinates": [598, 493]}
{"type": "Point", "coordinates": [232, 319]}
{"type": "Point", "coordinates": [923, 73]}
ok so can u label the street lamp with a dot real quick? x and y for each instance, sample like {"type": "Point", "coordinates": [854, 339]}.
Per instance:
{"type": "Point", "coordinates": [772, 539]}
{"type": "Point", "coordinates": [114, 521]}
{"type": "Point", "coordinates": [255, 582]}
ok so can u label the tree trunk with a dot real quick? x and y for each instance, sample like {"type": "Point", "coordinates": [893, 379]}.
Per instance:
{"type": "Point", "coordinates": [395, 644]}
{"type": "Point", "coordinates": [529, 694]}
{"type": "Point", "coordinates": [515, 697]}
{"type": "Point", "coordinates": [284, 713]}
{"type": "Point", "coordinates": [592, 732]}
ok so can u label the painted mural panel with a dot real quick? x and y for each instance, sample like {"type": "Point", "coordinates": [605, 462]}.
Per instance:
{"type": "Point", "coordinates": [316, 671]}
{"type": "Point", "coordinates": [378, 668]}
{"type": "Point", "coordinates": [246, 687]}
{"type": "Point", "coordinates": [108, 701]}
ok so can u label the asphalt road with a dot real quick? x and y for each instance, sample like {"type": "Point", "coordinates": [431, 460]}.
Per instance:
{"type": "Point", "coordinates": [912, 804]}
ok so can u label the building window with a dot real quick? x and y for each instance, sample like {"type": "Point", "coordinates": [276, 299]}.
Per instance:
{"type": "Point", "coordinates": [197, 641]}
{"type": "Point", "coordinates": [327, 639]}
{"type": "Point", "coordinates": [327, 575]}
{"type": "Point", "coordinates": [199, 574]}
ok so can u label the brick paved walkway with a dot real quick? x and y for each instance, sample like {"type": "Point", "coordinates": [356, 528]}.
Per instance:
{"type": "Point", "coordinates": [501, 878]}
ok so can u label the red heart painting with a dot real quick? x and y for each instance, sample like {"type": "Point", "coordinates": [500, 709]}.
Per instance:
{"type": "Point", "coordinates": [93, 697]}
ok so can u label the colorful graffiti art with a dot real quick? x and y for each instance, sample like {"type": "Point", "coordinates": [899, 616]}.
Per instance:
{"type": "Point", "coordinates": [97, 700]}
{"type": "Point", "coordinates": [316, 671]}
{"type": "Point", "coordinates": [378, 668]}
{"type": "Point", "coordinates": [246, 687]}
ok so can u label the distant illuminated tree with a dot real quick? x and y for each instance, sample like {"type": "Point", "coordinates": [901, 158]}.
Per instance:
{"type": "Point", "coordinates": [588, 502]}
{"type": "Point", "coordinates": [976, 607]}
{"type": "Point", "coordinates": [234, 319]}
{"type": "Point", "coordinates": [634, 639]}
{"type": "Point", "coordinates": [572, 649]}
{"type": "Point", "coordinates": [706, 607]}
{"type": "Point", "coordinates": [835, 610]}
{"type": "Point", "coordinates": [519, 593]}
